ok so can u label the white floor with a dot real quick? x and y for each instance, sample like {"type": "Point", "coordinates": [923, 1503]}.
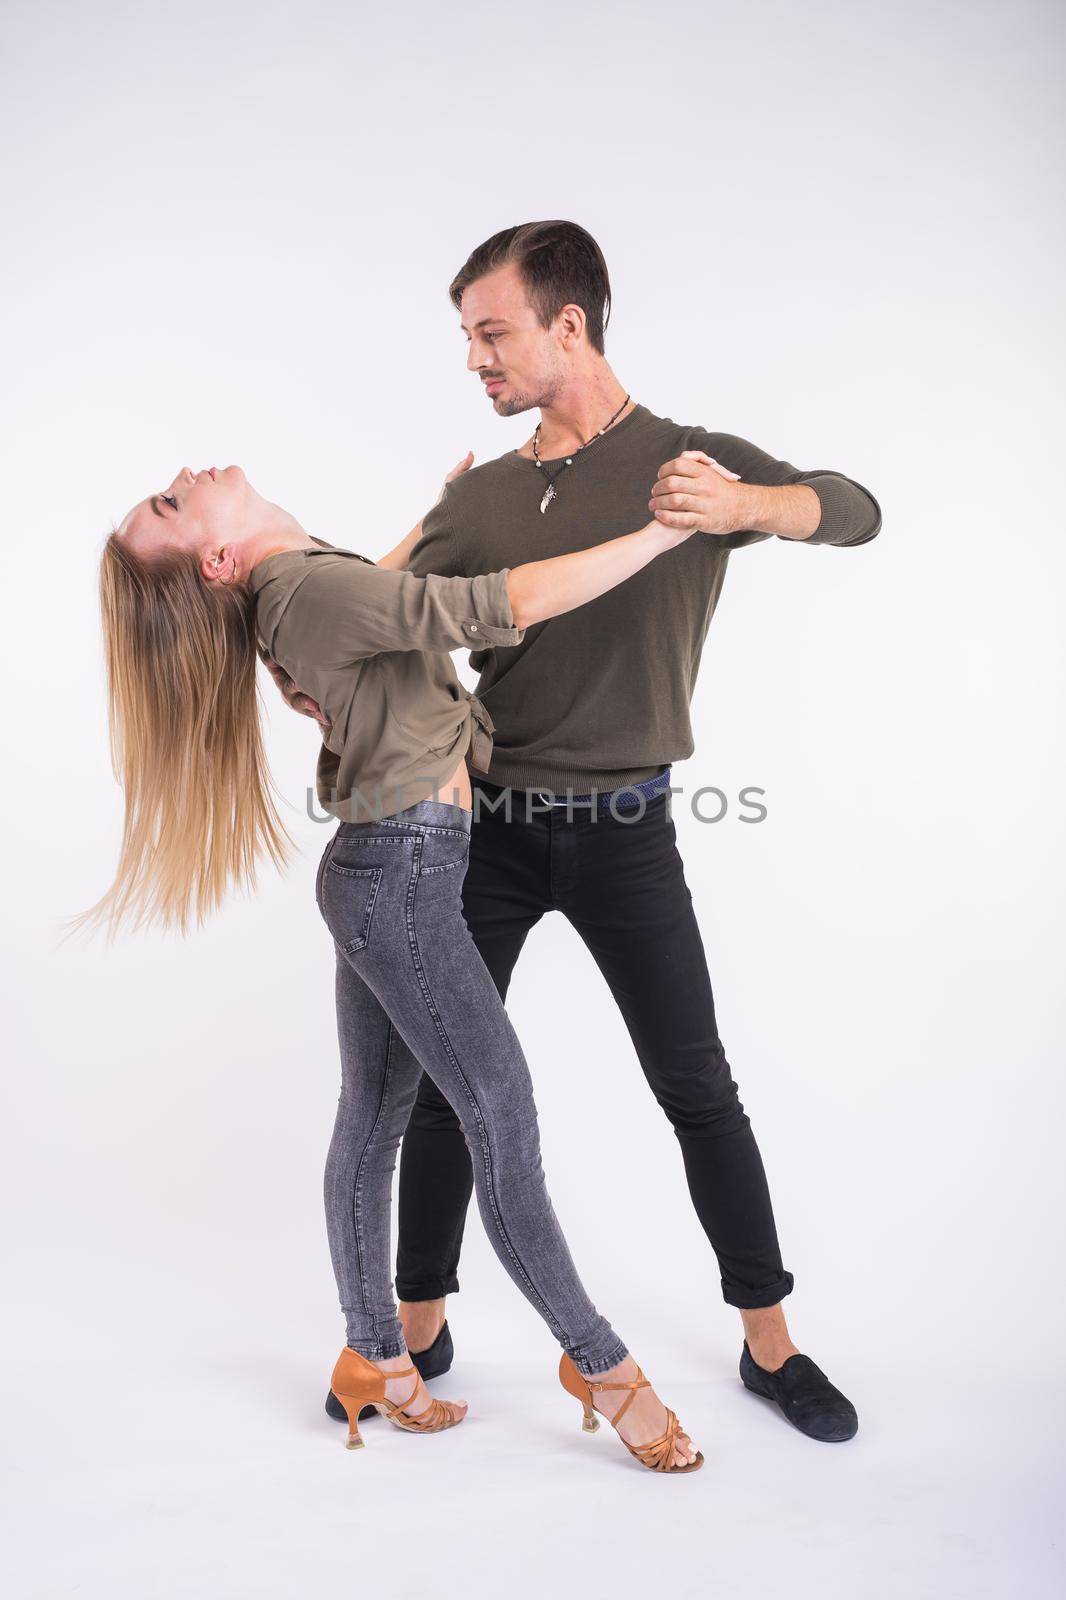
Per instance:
{"type": "Point", "coordinates": [170, 1314]}
{"type": "Point", "coordinates": [188, 1464]}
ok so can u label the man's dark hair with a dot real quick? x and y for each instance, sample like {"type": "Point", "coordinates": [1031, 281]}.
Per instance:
{"type": "Point", "coordinates": [561, 265]}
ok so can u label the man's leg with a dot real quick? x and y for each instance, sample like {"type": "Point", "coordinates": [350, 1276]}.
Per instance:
{"type": "Point", "coordinates": [625, 894]}
{"type": "Point", "coordinates": [502, 901]}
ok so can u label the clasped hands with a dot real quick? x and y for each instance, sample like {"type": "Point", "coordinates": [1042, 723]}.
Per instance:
{"type": "Point", "coordinates": [692, 491]}
{"type": "Point", "coordinates": [696, 492]}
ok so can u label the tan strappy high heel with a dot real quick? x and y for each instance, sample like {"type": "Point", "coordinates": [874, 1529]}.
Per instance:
{"type": "Point", "coordinates": [659, 1454]}
{"type": "Point", "coordinates": [357, 1382]}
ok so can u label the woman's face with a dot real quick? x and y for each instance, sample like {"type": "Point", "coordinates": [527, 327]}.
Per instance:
{"type": "Point", "coordinates": [198, 512]}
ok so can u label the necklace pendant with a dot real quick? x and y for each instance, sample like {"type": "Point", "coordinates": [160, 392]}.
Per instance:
{"type": "Point", "coordinates": [549, 496]}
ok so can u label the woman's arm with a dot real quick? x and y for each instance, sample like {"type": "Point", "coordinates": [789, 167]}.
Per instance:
{"type": "Point", "coordinates": [399, 556]}
{"type": "Point", "coordinates": [357, 609]}
{"type": "Point", "coordinates": [541, 589]}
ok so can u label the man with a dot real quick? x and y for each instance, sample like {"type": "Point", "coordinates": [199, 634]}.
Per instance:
{"type": "Point", "coordinates": [591, 709]}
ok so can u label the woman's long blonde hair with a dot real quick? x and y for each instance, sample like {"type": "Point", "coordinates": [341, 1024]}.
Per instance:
{"type": "Point", "coordinates": [186, 742]}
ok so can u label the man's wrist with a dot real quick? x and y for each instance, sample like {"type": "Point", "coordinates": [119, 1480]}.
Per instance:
{"type": "Point", "coordinates": [752, 508]}
{"type": "Point", "coordinates": [792, 511]}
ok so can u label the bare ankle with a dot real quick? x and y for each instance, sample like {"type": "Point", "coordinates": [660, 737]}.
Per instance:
{"type": "Point", "coordinates": [394, 1363]}
{"type": "Point", "coordinates": [421, 1321]}
{"type": "Point", "coordinates": [622, 1370]}
{"type": "Point", "coordinates": [768, 1337]}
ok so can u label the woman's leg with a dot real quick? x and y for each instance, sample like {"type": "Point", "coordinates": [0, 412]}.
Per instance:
{"type": "Point", "coordinates": [379, 1080]}
{"type": "Point", "coordinates": [504, 897]}
{"type": "Point", "coordinates": [392, 900]}
{"type": "Point", "coordinates": [391, 895]}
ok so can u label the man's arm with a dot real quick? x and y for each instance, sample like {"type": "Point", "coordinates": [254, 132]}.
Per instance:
{"type": "Point", "coordinates": [438, 548]}
{"type": "Point", "coordinates": [772, 497]}
{"type": "Point", "coordinates": [293, 696]}
{"type": "Point", "coordinates": [398, 557]}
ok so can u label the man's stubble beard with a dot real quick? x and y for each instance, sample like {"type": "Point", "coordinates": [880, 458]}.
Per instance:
{"type": "Point", "coordinates": [516, 404]}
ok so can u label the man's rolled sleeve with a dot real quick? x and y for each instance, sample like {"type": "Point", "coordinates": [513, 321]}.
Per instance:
{"type": "Point", "coordinates": [850, 514]}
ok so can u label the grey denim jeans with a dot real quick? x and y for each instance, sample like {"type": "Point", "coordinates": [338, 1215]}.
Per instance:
{"type": "Point", "coordinates": [413, 994]}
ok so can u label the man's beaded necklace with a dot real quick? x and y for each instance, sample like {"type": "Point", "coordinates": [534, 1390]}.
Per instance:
{"type": "Point", "coordinates": [550, 492]}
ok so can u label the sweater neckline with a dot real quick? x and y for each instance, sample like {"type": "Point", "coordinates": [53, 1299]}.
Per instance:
{"type": "Point", "coordinates": [514, 459]}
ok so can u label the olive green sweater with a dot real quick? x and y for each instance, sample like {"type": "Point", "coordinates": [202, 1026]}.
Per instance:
{"type": "Point", "coordinates": [599, 697]}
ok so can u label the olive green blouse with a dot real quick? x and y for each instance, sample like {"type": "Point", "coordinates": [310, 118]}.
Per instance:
{"type": "Point", "coordinates": [371, 645]}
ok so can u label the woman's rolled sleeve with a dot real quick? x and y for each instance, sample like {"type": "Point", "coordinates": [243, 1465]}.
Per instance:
{"type": "Point", "coordinates": [366, 610]}
{"type": "Point", "coordinates": [491, 619]}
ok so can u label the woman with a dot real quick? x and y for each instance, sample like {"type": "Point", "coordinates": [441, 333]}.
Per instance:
{"type": "Point", "coordinates": [192, 583]}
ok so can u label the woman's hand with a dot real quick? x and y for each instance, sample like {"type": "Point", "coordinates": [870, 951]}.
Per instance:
{"type": "Point", "coordinates": [457, 471]}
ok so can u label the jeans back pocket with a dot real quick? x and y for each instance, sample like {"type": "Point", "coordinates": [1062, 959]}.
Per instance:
{"type": "Point", "coordinates": [348, 898]}
{"type": "Point", "coordinates": [443, 850]}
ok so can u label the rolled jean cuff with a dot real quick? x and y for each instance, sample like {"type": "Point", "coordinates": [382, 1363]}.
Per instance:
{"type": "Point", "coordinates": [426, 1288]}
{"type": "Point", "coordinates": [599, 1355]}
{"type": "Point", "coordinates": [744, 1299]}
{"type": "Point", "coordinates": [378, 1349]}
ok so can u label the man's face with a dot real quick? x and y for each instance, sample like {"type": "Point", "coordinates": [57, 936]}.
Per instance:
{"type": "Point", "coordinates": [520, 362]}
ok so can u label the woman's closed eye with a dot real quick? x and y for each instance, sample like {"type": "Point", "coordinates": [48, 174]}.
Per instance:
{"type": "Point", "coordinates": [170, 500]}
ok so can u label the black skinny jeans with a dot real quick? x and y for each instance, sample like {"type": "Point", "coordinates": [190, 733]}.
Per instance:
{"type": "Point", "coordinates": [621, 883]}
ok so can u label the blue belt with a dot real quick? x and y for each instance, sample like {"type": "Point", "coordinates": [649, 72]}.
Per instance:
{"type": "Point", "coordinates": [621, 797]}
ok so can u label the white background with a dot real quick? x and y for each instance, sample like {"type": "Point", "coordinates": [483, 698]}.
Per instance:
{"type": "Point", "coordinates": [835, 229]}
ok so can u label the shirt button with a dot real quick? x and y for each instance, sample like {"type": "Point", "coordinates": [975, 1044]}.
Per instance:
{"type": "Point", "coordinates": [473, 627]}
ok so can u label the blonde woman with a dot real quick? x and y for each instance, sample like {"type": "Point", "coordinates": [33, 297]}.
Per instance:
{"type": "Point", "coordinates": [193, 582]}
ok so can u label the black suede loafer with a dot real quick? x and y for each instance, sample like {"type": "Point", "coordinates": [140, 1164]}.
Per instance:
{"type": "Point", "coordinates": [806, 1397]}
{"type": "Point", "coordinates": [431, 1363]}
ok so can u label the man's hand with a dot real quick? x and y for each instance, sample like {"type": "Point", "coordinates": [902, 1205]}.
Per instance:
{"type": "Point", "coordinates": [292, 696]}
{"type": "Point", "coordinates": [695, 491]}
